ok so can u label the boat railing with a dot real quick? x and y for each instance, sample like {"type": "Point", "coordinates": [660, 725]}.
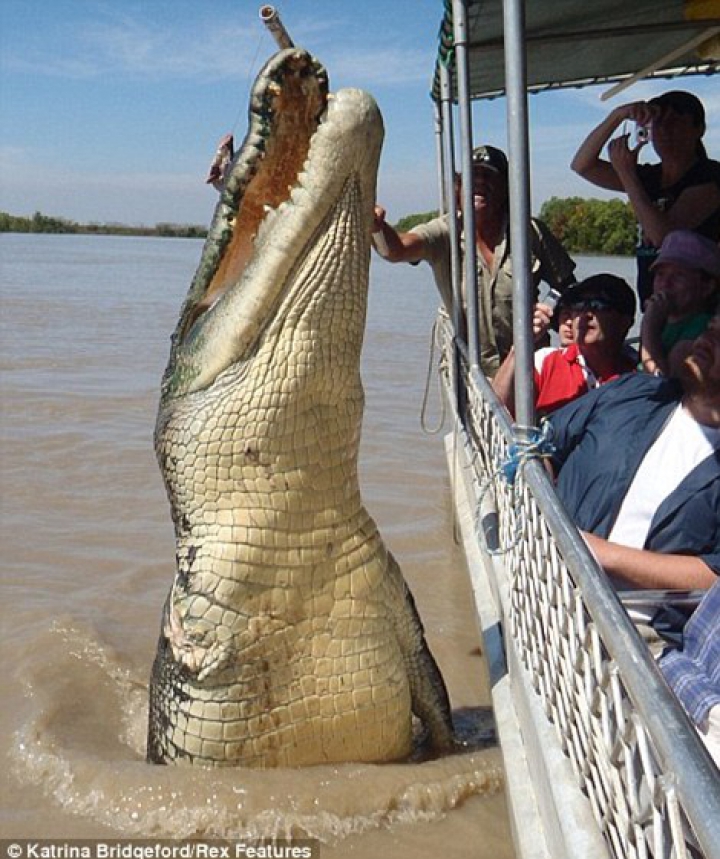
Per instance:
{"type": "Point", "coordinates": [651, 785]}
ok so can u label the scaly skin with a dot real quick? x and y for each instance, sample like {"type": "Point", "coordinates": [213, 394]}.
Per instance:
{"type": "Point", "coordinates": [289, 636]}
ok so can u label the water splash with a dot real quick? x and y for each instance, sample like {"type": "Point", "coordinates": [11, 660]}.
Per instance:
{"type": "Point", "coordinates": [83, 744]}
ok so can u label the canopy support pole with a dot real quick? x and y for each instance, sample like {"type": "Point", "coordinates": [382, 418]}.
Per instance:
{"type": "Point", "coordinates": [460, 33]}
{"type": "Point", "coordinates": [520, 213]}
{"type": "Point", "coordinates": [448, 196]}
{"type": "Point", "coordinates": [440, 159]}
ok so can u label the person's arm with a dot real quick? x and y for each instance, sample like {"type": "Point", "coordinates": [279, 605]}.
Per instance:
{"type": "Point", "coordinates": [587, 161]}
{"type": "Point", "coordinates": [677, 356]}
{"type": "Point", "coordinates": [652, 353]}
{"type": "Point", "coordinates": [690, 209]}
{"type": "Point", "coordinates": [398, 247]}
{"type": "Point", "coordinates": [640, 568]}
{"type": "Point", "coordinates": [504, 380]}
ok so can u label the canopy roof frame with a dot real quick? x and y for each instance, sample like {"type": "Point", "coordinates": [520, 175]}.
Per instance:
{"type": "Point", "coordinates": [571, 43]}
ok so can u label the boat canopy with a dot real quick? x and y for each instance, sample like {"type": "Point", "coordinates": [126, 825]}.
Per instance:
{"type": "Point", "coordinates": [573, 43]}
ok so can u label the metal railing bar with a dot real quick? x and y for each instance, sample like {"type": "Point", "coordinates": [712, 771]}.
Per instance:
{"type": "Point", "coordinates": [678, 745]}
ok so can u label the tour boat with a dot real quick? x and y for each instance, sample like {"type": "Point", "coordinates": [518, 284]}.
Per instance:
{"type": "Point", "coordinates": [600, 758]}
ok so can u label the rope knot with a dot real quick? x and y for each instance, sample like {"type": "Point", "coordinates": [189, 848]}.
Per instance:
{"type": "Point", "coordinates": [530, 443]}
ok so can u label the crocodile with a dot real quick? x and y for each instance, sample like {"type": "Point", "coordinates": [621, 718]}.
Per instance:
{"type": "Point", "coordinates": [289, 636]}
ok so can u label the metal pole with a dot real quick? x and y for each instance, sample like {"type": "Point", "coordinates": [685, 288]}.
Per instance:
{"type": "Point", "coordinates": [517, 118]}
{"type": "Point", "coordinates": [456, 304]}
{"type": "Point", "coordinates": [440, 158]}
{"type": "Point", "coordinates": [271, 19]}
{"type": "Point", "coordinates": [455, 307]}
{"type": "Point", "coordinates": [459, 10]}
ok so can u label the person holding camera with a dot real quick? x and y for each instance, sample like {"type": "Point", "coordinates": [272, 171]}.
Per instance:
{"type": "Point", "coordinates": [681, 191]}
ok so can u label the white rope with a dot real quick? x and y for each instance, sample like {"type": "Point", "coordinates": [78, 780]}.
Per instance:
{"type": "Point", "coordinates": [426, 394]}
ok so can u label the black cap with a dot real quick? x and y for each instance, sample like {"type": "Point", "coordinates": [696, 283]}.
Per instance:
{"type": "Point", "coordinates": [681, 102]}
{"type": "Point", "coordinates": [490, 157]}
{"type": "Point", "coordinates": [617, 292]}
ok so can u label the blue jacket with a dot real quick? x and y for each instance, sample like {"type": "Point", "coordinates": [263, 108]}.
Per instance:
{"type": "Point", "coordinates": [601, 439]}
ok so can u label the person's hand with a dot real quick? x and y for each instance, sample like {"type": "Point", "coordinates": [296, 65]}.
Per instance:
{"type": "Point", "coordinates": [542, 317]}
{"type": "Point", "coordinates": [657, 309]}
{"type": "Point", "coordinates": [636, 111]}
{"type": "Point", "coordinates": [622, 156]}
{"type": "Point", "coordinates": [378, 219]}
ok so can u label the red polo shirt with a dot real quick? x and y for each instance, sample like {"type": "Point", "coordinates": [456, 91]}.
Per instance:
{"type": "Point", "coordinates": [564, 376]}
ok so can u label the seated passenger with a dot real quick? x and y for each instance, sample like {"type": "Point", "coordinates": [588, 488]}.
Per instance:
{"type": "Point", "coordinates": [561, 321]}
{"type": "Point", "coordinates": [693, 671]}
{"type": "Point", "coordinates": [601, 309]}
{"type": "Point", "coordinates": [638, 470]}
{"type": "Point", "coordinates": [687, 281]}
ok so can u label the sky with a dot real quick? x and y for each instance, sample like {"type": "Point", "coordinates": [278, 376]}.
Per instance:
{"type": "Point", "coordinates": [110, 110]}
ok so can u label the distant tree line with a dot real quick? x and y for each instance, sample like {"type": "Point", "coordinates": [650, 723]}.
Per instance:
{"type": "Point", "coordinates": [583, 226]}
{"type": "Point", "coordinates": [592, 226]}
{"type": "Point", "coordinates": [410, 221]}
{"type": "Point", "coordinates": [40, 223]}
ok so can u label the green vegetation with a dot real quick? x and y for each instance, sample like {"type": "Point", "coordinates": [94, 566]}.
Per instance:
{"type": "Point", "coordinates": [40, 223]}
{"type": "Point", "coordinates": [592, 226]}
{"type": "Point", "coordinates": [410, 221]}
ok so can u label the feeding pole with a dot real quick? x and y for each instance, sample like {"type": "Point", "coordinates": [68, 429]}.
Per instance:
{"type": "Point", "coordinates": [270, 17]}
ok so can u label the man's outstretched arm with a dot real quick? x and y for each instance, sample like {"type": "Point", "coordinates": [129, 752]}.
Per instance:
{"type": "Point", "coordinates": [640, 568]}
{"type": "Point", "coordinates": [394, 246]}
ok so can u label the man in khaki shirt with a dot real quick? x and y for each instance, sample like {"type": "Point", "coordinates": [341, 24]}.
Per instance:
{"type": "Point", "coordinates": [431, 242]}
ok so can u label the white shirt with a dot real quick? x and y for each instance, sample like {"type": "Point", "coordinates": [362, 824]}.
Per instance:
{"type": "Point", "coordinates": [681, 446]}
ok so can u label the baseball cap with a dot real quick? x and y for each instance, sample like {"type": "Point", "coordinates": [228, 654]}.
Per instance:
{"type": "Point", "coordinates": [614, 290]}
{"type": "Point", "coordinates": [490, 157]}
{"type": "Point", "coordinates": [681, 102]}
{"type": "Point", "coordinates": [689, 248]}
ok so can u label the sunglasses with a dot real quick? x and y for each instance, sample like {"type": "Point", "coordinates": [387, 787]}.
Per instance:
{"type": "Point", "coordinates": [592, 304]}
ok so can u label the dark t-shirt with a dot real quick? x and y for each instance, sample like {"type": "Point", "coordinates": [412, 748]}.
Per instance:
{"type": "Point", "coordinates": [703, 172]}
